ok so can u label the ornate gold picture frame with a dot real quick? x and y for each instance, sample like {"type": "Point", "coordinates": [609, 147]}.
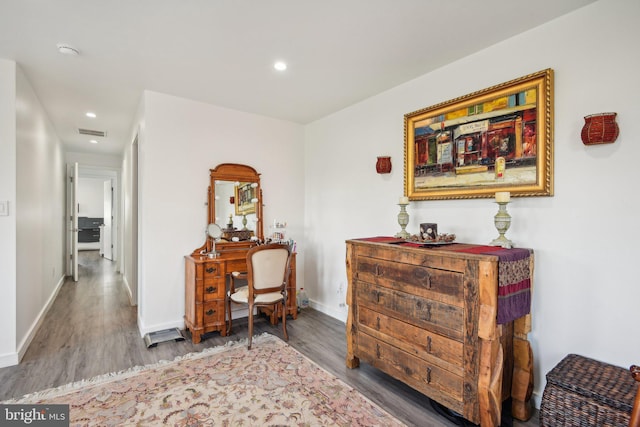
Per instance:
{"type": "Point", "coordinates": [495, 139]}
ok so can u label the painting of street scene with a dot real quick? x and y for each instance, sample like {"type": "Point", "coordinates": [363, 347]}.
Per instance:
{"type": "Point", "coordinates": [478, 146]}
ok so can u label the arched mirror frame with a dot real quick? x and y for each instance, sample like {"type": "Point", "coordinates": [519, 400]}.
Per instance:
{"type": "Point", "coordinates": [233, 172]}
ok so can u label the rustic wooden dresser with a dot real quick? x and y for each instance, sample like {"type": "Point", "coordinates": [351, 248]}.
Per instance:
{"type": "Point", "coordinates": [427, 316]}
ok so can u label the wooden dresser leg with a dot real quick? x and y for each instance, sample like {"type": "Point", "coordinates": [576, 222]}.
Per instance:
{"type": "Point", "coordinates": [522, 386]}
{"type": "Point", "coordinates": [352, 361]}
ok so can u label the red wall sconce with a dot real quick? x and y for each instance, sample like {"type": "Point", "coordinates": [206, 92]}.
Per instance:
{"type": "Point", "coordinates": [599, 129]}
{"type": "Point", "coordinates": [383, 165]}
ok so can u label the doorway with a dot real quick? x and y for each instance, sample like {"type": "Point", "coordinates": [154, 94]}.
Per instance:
{"type": "Point", "coordinates": [96, 209]}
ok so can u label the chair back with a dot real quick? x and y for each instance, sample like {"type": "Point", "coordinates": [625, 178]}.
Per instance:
{"type": "Point", "coordinates": [268, 267]}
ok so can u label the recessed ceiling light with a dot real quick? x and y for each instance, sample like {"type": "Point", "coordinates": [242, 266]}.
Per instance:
{"type": "Point", "coordinates": [90, 114]}
{"type": "Point", "coordinates": [65, 49]}
{"type": "Point", "coordinates": [280, 66]}
{"type": "Point", "coordinates": [93, 141]}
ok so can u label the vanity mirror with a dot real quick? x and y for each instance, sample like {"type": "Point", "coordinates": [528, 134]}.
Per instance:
{"type": "Point", "coordinates": [235, 206]}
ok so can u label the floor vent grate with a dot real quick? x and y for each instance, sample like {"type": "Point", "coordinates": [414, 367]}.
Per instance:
{"type": "Point", "coordinates": [153, 338]}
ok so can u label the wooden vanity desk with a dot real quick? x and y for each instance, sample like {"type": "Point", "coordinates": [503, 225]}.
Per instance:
{"type": "Point", "coordinates": [431, 317]}
{"type": "Point", "coordinates": [206, 284]}
{"type": "Point", "coordinates": [234, 192]}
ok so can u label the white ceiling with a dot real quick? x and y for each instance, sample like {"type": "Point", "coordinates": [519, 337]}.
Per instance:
{"type": "Point", "coordinates": [222, 52]}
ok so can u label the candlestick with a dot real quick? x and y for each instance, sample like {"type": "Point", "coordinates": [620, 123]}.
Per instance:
{"type": "Point", "coordinates": [502, 221]}
{"type": "Point", "coordinates": [404, 200]}
{"type": "Point", "coordinates": [403, 219]}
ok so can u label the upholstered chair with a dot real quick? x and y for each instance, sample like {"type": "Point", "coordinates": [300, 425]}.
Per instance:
{"type": "Point", "coordinates": [267, 276]}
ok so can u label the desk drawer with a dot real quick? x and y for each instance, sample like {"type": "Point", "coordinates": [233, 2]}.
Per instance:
{"type": "Point", "coordinates": [213, 313]}
{"type": "Point", "coordinates": [237, 265]}
{"type": "Point", "coordinates": [212, 269]}
{"type": "Point", "coordinates": [213, 289]}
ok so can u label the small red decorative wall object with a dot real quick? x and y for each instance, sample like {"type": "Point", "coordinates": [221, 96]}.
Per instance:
{"type": "Point", "coordinates": [383, 165]}
{"type": "Point", "coordinates": [232, 200]}
{"type": "Point", "coordinates": [600, 129]}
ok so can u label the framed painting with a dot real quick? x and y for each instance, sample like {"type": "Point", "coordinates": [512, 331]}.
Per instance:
{"type": "Point", "coordinates": [245, 198]}
{"type": "Point", "coordinates": [496, 139]}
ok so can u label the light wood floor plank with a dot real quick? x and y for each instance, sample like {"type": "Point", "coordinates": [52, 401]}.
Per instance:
{"type": "Point", "coordinates": [91, 330]}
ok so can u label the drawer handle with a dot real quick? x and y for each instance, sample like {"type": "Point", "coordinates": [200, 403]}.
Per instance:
{"type": "Point", "coordinates": [210, 269]}
{"type": "Point", "coordinates": [378, 351]}
{"type": "Point", "coordinates": [428, 281]}
{"type": "Point", "coordinates": [379, 270]}
{"type": "Point", "coordinates": [428, 375]}
{"type": "Point", "coordinates": [378, 323]}
{"type": "Point", "coordinates": [210, 312]}
{"type": "Point", "coordinates": [211, 289]}
{"type": "Point", "coordinates": [428, 344]}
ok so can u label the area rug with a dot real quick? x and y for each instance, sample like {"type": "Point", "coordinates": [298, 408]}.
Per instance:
{"type": "Point", "coordinates": [270, 385]}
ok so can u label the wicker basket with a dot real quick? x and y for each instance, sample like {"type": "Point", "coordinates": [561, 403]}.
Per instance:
{"type": "Point", "coordinates": [584, 392]}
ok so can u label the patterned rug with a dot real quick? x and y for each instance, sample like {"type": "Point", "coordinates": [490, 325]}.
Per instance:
{"type": "Point", "coordinates": [270, 385]}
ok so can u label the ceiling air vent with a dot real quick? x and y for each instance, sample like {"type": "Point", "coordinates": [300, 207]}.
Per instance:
{"type": "Point", "coordinates": [92, 132]}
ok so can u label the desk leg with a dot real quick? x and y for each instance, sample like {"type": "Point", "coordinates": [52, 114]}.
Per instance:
{"type": "Point", "coordinates": [522, 386]}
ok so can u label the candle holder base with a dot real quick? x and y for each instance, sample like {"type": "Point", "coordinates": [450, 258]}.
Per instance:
{"type": "Point", "coordinates": [502, 221]}
{"type": "Point", "coordinates": [502, 241]}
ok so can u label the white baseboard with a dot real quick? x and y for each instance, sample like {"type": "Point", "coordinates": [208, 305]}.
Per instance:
{"type": "Point", "coordinates": [9, 359]}
{"type": "Point", "coordinates": [128, 289]}
{"type": "Point", "coordinates": [340, 314]}
{"type": "Point", "coordinates": [537, 399]}
{"type": "Point", "coordinates": [26, 341]}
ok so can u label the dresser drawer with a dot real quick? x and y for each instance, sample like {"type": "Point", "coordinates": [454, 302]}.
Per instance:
{"type": "Point", "coordinates": [444, 352]}
{"type": "Point", "coordinates": [433, 381]}
{"type": "Point", "coordinates": [437, 284]}
{"type": "Point", "coordinates": [425, 313]}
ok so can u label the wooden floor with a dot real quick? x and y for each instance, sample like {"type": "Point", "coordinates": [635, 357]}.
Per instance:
{"type": "Point", "coordinates": [91, 330]}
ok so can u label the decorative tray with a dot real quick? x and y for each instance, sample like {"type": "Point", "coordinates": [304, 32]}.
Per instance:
{"type": "Point", "coordinates": [441, 239]}
{"type": "Point", "coordinates": [430, 242]}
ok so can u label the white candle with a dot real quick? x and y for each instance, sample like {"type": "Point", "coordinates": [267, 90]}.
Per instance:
{"type": "Point", "coordinates": [404, 200]}
{"type": "Point", "coordinates": [503, 196]}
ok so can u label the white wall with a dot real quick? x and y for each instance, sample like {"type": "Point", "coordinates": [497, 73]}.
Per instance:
{"type": "Point", "coordinates": [8, 350]}
{"type": "Point", "coordinates": [183, 140]}
{"type": "Point", "coordinates": [40, 212]}
{"type": "Point", "coordinates": [586, 286]}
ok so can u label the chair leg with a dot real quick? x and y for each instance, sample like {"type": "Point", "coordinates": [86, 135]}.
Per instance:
{"type": "Point", "coordinates": [250, 324]}
{"type": "Point", "coordinates": [284, 321]}
{"type": "Point", "coordinates": [228, 311]}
